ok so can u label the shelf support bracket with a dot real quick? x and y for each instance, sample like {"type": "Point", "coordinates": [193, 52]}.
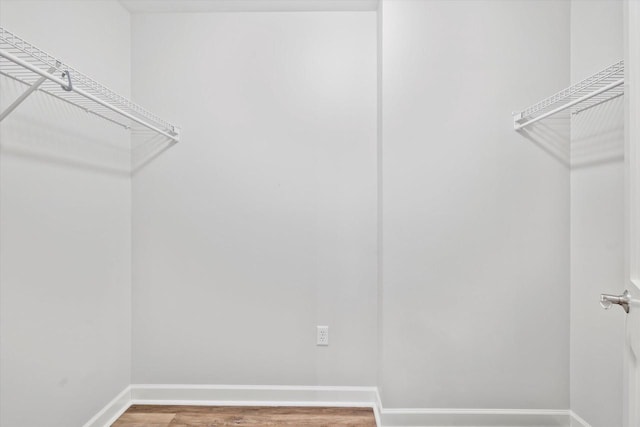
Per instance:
{"type": "Point", "coordinates": [24, 95]}
{"type": "Point", "coordinates": [517, 118]}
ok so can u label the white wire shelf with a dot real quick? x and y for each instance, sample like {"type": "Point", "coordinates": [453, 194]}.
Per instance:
{"type": "Point", "coordinates": [594, 90]}
{"type": "Point", "coordinates": [39, 71]}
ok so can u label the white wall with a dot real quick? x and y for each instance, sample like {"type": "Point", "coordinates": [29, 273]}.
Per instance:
{"type": "Point", "coordinates": [475, 215]}
{"type": "Point", "coordinates": [597, 221]}
{"type": "Point", "coordinates": [65, 251]}
{"type": "Point", "coordinates": [261, 223]}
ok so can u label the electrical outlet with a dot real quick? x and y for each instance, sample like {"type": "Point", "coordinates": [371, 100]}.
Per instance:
{"type": "Point", "coordinates": [322, 336]}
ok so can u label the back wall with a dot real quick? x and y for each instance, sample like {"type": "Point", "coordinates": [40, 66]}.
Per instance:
{"type": "Point", "coordinates": [261, 223]}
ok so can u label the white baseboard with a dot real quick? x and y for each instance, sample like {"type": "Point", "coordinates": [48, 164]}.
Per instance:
{"type": "Point", "coordinates": [112, 411]}
{"type": "Point", "coordinates": [233, 395]}
{"type": "Point", "coordinates": [577, 421]}
{"type": "Point", "coordinates": [474, 417]}
{"type": "Point", "coordinates": [449, 417]}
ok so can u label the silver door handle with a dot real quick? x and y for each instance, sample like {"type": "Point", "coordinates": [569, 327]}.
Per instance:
{"type": "Point", "coordinates": [606, 300]}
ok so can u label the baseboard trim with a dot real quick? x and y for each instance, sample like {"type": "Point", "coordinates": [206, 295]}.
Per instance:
{"type": "Point", "coordinates": [112, 410]}
{"type": "Point", "coordinates": [234, 395]}
{"type": "Point", "coordinates": [577, 421]}
{"type": "Point", "coordinates": [445, 417]}
{"type": "Point", "coordinates": [259, 395]}
{"type": "Point", "coordinates": [454, 417]}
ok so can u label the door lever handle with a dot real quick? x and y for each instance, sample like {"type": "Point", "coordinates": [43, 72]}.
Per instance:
{"type": "Point", "coordinates": [606, 300]}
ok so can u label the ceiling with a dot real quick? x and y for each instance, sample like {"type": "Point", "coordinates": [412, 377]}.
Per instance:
{"type": "Point", "coordinates": [167, 6]}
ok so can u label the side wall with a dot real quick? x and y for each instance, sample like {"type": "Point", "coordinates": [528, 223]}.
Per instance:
{"type": "Point", "coordinates": [597, 221]}
{"type": "Point", "coordinates": [65, 239]}
{"type": "Point", "coordinates": [475, 215]}
{"type": "Point", "coordinates": [261, 223]}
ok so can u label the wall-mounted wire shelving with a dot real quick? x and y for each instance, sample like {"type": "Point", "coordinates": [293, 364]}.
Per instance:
{"type": "Point", "coordinates": [594, 90]}
{"type": "Point", "coordinates": [39, 71]}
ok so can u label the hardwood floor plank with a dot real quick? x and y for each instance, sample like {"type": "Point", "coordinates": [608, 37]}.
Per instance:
{"type": "Point", "coordinates": [132, 419]}
{"type": "Point", "coordinates": [266, 420]}
{"type": "Point", "coordinates": [245, 416]}
{"type": "Point", "coordinates": [141, 424]}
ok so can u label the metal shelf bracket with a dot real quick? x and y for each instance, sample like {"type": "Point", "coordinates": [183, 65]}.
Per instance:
{"type": "Point", "coordinates": [19, 100]}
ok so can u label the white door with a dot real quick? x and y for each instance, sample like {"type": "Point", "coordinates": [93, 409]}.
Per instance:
{"type": "Point", "coordinates": [632, 158]}
{"type": "Point", "coordinates": [630, 300]}
{"type": "Point", "coordinates": [632, 360]}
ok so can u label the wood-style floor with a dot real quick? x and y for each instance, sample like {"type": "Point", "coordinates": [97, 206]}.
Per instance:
{"type": "Point", "coordinates": [245, 416]}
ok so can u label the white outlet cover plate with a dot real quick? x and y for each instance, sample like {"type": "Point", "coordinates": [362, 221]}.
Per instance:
{"type": "Point", "coordinates": [322, 335]}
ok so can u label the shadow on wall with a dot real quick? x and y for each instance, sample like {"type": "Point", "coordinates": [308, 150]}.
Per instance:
{"type": "Point", "coordinates": [38, 140]}
{"type": "Point", "coordinates": [146, 146]}
{"type": "Point", "coordinates": [597, 135]}
{"type": "Point", "coordinates": [48, 130]}
{"type": "Point", "coordinates": [552, 135]}
{"type": "Point", "coordinates": [593, 137]}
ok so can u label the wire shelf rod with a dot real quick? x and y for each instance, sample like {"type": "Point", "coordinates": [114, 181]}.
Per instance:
{"type": "Point", "coordinates": [77, 105]}
{"type": "Point", "coordinates": [571, 104]}
{"type": "Point", "coordinates": [19, 48]}
{"type": "Point", "coordinates": [85, 94]}
{"type": "Point", "coordinates": [598, 101]}
{"type": "Point", "coordinates": [596, 89]}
